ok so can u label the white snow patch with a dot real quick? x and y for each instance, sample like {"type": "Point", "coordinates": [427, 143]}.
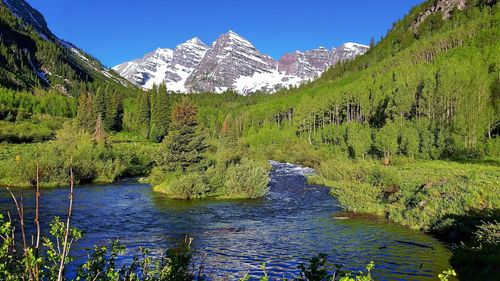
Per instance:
{"type": "Point", "coordinates": [266, 81]}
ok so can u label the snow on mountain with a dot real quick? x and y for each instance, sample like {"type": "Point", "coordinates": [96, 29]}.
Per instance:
{"type": "Point", "coordinates": [306, 65]}
{"type": "Point", "coordinates": [347, 51]}
{"type": "Point", "coordinates": [147, 71]}
{"type": "Point", "coordinates": [268, 82]}
{"type": "Point", "coordinates": [230, 57]}
{"type": "Point", "coordinates": [231, 63]}
{"type": "Point", "coordinates": [186, 58]}
{"type": "Point", "coordinates": [165, 65]}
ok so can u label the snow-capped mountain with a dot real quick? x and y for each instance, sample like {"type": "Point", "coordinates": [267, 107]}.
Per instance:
{"type": "Point", "coordinates": [165, 65]}
{"type": "Point", "coordinates": [310, 64]}
{"type": "Point", "coordinates": [231, 63]}
{"type": "Point", "coordinates": [186, 58]}
{"type": "Point", "coordinates": [148, 70]}
{"type": "Point", "coordinates": [229, 58]}
{"type": "Point", "coordinates": [347, 51]}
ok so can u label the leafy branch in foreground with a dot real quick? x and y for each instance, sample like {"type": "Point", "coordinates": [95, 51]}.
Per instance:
{"type": "Point", "coordinates": [33, 263]}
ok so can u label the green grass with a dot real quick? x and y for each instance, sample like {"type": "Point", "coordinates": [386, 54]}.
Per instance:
{"type": "Point", "coordinates": [419, 194]}
{"type": "Point", "coordinates": [92, 162]}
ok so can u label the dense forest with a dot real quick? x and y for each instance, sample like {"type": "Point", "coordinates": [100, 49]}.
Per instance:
{"type": "Point", "coordinates": [414, 119]}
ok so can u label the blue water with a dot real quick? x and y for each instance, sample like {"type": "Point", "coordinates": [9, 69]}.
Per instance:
{"type": "Point", "coordinates": [292, 224]}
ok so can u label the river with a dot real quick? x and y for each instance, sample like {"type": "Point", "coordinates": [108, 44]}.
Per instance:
{"type": "Point", "coordinates": [293, 223]}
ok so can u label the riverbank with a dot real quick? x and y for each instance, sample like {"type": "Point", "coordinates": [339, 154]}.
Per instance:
{"type": "Point", "coordinates": [415, 193]}
{"type": "Point", "coordinates": [99, 163]}
{"type": "Point", "coordinates": [458, 202]}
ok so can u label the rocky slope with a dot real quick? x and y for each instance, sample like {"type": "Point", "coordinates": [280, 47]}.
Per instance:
{"type": "Point", "coordinates": [443, 6]}
{"type": "Point", "coordinates": [231, 63]}
{"type": "Point", "coordinates": [310, 64]}
{"type": "Point", "coordinates": [229, 58]}
{"type": "Point", "coordinates": [37, 57]}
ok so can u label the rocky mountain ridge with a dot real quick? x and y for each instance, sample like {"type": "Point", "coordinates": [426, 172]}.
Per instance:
{"type": "Point", "coordinates": [231, 63]}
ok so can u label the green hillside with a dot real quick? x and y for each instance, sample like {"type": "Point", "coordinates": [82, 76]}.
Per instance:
{"type": "Point", "coordinates": [31, 56]}
{"type": "Point", "coordinates": [439, 84]}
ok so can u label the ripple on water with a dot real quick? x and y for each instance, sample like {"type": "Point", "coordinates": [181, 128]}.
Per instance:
{"type": "Point", "coordinates": [293, 223]}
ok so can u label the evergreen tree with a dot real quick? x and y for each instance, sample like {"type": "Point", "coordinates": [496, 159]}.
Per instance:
{"type": "Point", "coordinates": [372, 42]}
{"type": "Point", "coordinates": [228, 135]}
{"type": "Point", "coordinates": [85, 117]}
{"type": "Point", "coordinates": [160, 113]}
{"type": "Point", "coordinates": [99, 133]}
{"type": "Point", "coordinates": [183, 149]}
{"type": "Point", "coordinates": [114, 113]}
{"type": "Point", "coordinates": [100, 103]}
{"type": "Point", "coordinates": [142, 115]}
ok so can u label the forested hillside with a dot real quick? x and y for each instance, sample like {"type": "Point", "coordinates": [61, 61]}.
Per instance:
{"type": "Point", "coordinates": [430, 92]}
{"type": "Point", "coordinates": [42, 77]}
{"type": "Point", "coordinates": [31, 56]}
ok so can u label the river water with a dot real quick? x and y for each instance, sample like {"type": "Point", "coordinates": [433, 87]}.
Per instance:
{"type": "Point", "coordinates": [293, 223]}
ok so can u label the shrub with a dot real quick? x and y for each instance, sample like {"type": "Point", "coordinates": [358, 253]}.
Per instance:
{"type": "Point", "coordinates": [247, 179]}
{"type": "Point", "coordinates": [24, 132]}
{"type": "Point", "coordinates": [215, 176]}
{"type": "Point", "coordinates": [488, 234]}
{"type": "Point", "coordinates": [184, 186]}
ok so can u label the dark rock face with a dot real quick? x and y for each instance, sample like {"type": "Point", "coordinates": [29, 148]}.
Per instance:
{"type": "Point", "coordinates": [31, 16]}
{"type": "Point", "coordinates": [297, 64]}
{"type": "Point", "coordinates": [230, 57]}
{"type": "Point", "coordinates": [443, 6]}
{"type": "Point", "coordinates": [186, 58]}
{"type": "Point", "coordinates": [231, 63]}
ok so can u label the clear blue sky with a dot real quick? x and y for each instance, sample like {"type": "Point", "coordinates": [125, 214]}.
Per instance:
{"type": "Point", "coordinates": [118, 30]}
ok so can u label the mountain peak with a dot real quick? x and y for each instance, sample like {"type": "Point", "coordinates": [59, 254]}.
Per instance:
{"type": "Point", "coordinates": [232, 62]}
{"type": "Point", "coordinates": [351, 45]}
{"type": "Point", "coordinates": [233, 36]}
{"type": "Point", "coordinates": [164, 52]}
{"type": "Point", "coordinates": [195, 41]}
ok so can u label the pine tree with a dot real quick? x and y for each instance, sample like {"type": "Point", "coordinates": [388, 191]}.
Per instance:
{"type": "Point", "coordinates": [99, 133]}
{"type": "Point", "coordinates": [229, 150]}
{"type": "Point", "coordinates": [85, 116]}
{"type": "Point", "coordinates": [114, 113]}
{"type": "Point", "coordinates": [100, 103]}
{"type": "Point", "coordinates": [160, 113]}
{"type": "Point", "coordinates": [372, 42]}
{"type": "Point", "coordinates": [142, 116]}
{"type": "Point", "coordinates": [183, 149]}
